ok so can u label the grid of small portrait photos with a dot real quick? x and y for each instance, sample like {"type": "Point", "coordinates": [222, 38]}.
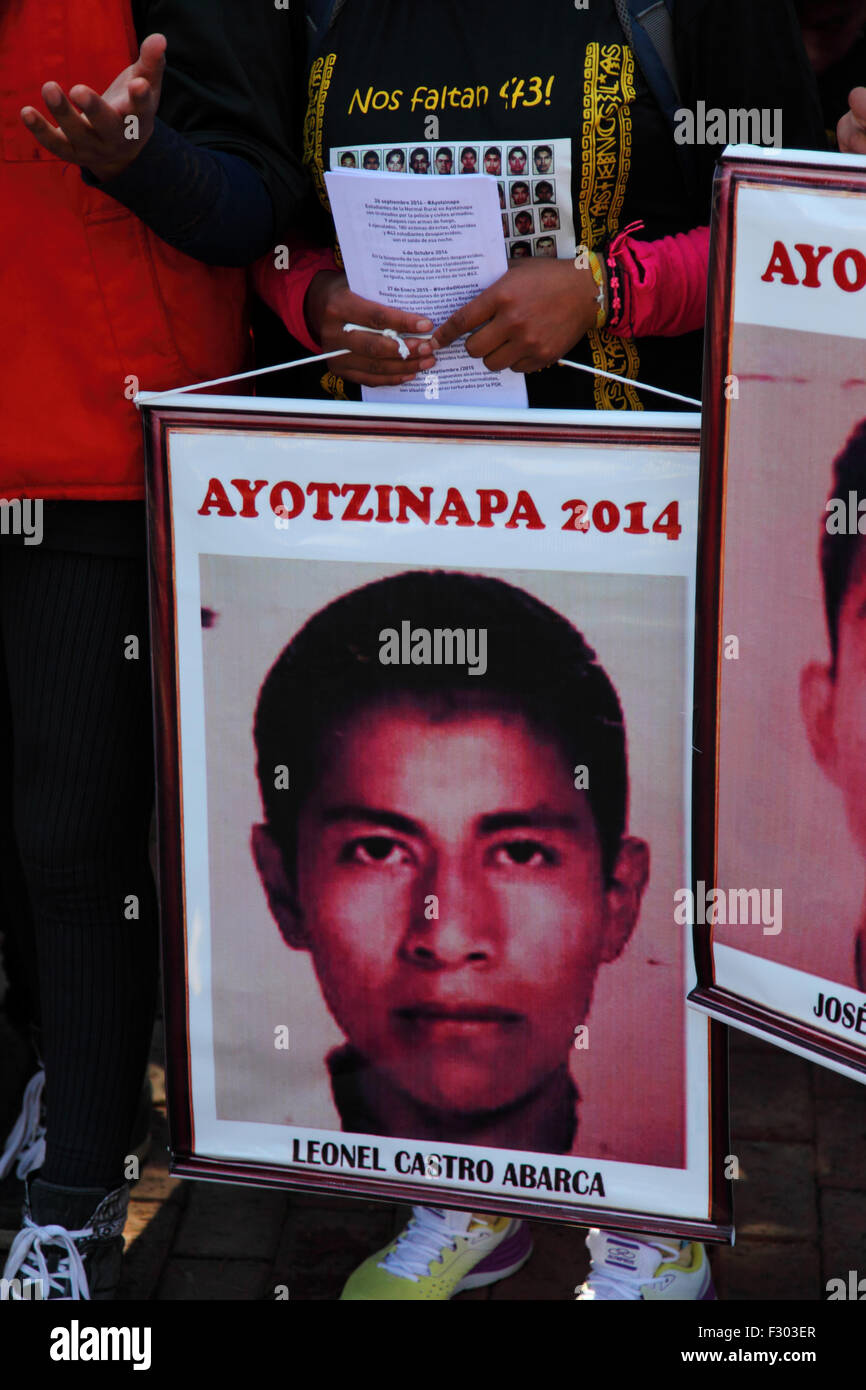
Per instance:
{"type": "Point", "coordinates": [533, 178]}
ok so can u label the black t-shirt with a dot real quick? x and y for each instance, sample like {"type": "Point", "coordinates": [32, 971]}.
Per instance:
{"type": "Point", "coordinates": [549, 98]}
{"type": "Point", "coordinates": [234, 81]}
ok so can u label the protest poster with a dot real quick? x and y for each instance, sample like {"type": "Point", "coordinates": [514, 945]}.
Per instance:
{"type": "Point", "coordinates": [780, 768]}
{"type": "Point", "coordinates": [424, 721]}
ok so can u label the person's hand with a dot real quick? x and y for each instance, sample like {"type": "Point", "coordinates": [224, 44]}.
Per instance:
{"type": "Point", "coordinates": [374, 360]}
{"type": "Point", "coordinates": [98, 135]}
{"type": "Point", "coordinates": [528, 319]}
{"type": "Point", "coordinates": [851, 130]}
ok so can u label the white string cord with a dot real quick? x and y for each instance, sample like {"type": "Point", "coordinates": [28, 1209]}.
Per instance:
{"type": "Point", "coordinates": [399, 338]}
{"type": "Point", "coordinates": [628, 381]}
{"type": "Point", "coordinates": [149, 397]}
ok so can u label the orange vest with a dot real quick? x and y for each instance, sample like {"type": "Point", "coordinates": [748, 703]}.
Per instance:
{"type": "Point", "coordinates": [92, 304]}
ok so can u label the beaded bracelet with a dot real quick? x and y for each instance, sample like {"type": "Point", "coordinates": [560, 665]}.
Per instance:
{"type": "Point", "coordinates": [597, 267]}
{"type": "Point", "coordinates": [615, 314]}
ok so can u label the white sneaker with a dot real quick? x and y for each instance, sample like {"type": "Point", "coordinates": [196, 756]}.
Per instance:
{"type": "Point", "coordinates": [25, 1147]}
{"type": "Point", "coordinates": [70, 1246]}
{"type": "Point", "coordinates": [626, 1267]}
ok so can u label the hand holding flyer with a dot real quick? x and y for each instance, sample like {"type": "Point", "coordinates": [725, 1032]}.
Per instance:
{"type": "Point", "coordinates": [430, 250]}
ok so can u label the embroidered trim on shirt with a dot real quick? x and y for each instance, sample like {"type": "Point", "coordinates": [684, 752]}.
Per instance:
{"type": "Point", "coordinates": [606, 165]}
{"type": "Point", "coordinates": [320, 80]}
{"type": "Point", "coordinates": [334, 386]}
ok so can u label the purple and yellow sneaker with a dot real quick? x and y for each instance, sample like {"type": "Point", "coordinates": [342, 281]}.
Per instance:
{"type": "Point", "coordinates": [439, 1254]}
{"type": "Point", "coordinates": [627, 1267]}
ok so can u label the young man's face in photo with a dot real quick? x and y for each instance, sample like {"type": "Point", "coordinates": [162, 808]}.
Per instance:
{"type": "Point", "coordinates": [348, 161]}
{"type": "Point", "coordinates": [519, 194]}
{"type": "Point", "coordinates": [449, 886]}
{"type": "Point", "coordinates": [549, 219]}
{"type": "Point", "coordinates": [517, 161]}
{"type": "Point", "coordinates": [444, 162]}
{"type": "Point", "coordinates": [835, 707]}
{"type": "Point", "coordinates": [420, 163]}
{"type": "Point", "coordinates": [543, 160]}
{"type": "Point", "coordinates": [468, 162]}
{"type": "Point", "coordinates": [395, 163]}
{"type": "Point", "coordinates": [371, 161]}
{"type": "Point", "coordinates": [493, 162]}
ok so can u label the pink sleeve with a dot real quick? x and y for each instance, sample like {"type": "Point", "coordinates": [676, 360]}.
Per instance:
{"type": "Point", "coordinates": [284, 291]}
{"type": "Point", "coordinates": [663, 284]}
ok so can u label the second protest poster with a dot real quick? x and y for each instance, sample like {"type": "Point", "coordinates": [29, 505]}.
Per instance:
{"type": "Point", "coordinates": [780, 855]}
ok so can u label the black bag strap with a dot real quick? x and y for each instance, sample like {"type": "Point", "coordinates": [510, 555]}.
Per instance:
{"type": "Point", "coordinates": [320, 16]}
{"type": "Point", "coordinates": [649, 29]}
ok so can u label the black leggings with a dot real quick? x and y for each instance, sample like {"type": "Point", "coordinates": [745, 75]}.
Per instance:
{"type": "Point", "coordinates": [76, 778]}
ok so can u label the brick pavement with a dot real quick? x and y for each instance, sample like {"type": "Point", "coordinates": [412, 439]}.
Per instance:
{"type": "Point", "coordinates": [799, 1133]}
